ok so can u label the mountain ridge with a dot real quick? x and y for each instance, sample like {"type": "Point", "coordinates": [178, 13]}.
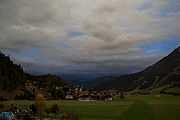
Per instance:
{"type": "Point", "coordinates": [163, 72]}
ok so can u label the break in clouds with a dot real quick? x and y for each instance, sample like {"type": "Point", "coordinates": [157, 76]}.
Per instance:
{"type": "Point", "coordinates": [86, 37]}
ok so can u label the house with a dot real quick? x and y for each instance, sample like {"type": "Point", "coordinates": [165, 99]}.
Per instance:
{"type": "Point", "coordinates": [69, 97]}
{"type": "Point", "coordinates": [110, 98]}
{"type": "Point", "coordinates": [85, 97]}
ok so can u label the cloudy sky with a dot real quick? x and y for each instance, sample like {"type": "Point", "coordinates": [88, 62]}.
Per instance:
{"type": "Point", "coordinates": [85, 39]}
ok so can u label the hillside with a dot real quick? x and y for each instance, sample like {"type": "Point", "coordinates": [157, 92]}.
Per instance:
{"type": "Point", "coordinates": [164, 72]}
{"type": "Point", "coordinates": [46, 80]}
{"type": "Point", "coordinates": [90, 83]}
{"type": "Point", "coordinates": [11, 75]}
{"type": "Point", "coordinates": [15, 82]}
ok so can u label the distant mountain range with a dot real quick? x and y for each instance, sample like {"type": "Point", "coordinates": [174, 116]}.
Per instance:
{"type": "Point", "coordinates": [164, 72]}
{"type": "Point", "coordinates": [90, 83]}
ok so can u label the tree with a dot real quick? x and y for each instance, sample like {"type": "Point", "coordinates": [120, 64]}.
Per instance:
{"type": "Point", "coordinates": [10, 74]}
{"type": "Point", "coordinates": [53, 92]}
{"type": "Point", "coordinates": [40, 103]}
{"type": "Point", "coordinates": [33, 108]}
{"type": "Point", "coordinates": [48, 110]}
{"type": "Point", "coordinates": [60, 94]}
{"type": "Point", "coordinates": [1, 100]}
{"type": "Point", "coordinates": [122, 95]}
{"type": "Point", "coordinates": [55, 109]}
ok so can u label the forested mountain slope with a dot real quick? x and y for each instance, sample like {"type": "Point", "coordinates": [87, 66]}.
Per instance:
{"type": "Point", "coordinates": [166, 71]}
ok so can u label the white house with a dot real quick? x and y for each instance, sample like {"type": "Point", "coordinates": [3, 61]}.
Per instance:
{"type": "Point", "coordinates": [69, 97]}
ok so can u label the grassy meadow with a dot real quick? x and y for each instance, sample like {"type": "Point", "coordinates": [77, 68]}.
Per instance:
{"type": "Point", "coordinates": [151, 107]}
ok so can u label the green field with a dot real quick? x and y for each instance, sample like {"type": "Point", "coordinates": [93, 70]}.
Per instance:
{"type": "Point", "coordinates": [165, 107]}
{"type": "Point", "coordinates": [159, 89]}
{"type": "Point", "coordinates": [174, 89]}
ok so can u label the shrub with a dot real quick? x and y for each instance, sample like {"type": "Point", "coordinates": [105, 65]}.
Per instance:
{"type": "Point", "coordinates": [55, 109]}
{"type": "Point", "coordinates": [48, 110]}
{"type": "Point", "coordinates": [69, 116]}
{"type": "Point", "coordinates": [72, 116]}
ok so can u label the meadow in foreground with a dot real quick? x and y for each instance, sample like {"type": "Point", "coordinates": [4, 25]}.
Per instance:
{"type": "Point", "coordinates": [151, 107]}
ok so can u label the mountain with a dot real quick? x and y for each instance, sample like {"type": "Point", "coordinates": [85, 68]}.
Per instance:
{"type": "Point", "coordinates": [90, 83]}
{"type": "Point", "coordinates": [164, 72]}
{"type": "Point", "coordinates": [14, 81]}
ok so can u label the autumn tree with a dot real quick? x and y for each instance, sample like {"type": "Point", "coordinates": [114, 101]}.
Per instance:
{"type": "Point", "coordinates": [40, 103]}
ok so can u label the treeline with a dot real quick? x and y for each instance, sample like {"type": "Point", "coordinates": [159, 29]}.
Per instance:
{"type": "Point", "coordinates": [11, 75]}
{"type": "Point", "coordinates": [46, 80]}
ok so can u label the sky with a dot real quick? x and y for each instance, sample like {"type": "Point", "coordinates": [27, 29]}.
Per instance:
{"type": "Point", "coordinates": [87, 39]}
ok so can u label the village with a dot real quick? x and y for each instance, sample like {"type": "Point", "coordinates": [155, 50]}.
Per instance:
{"type": "Point", "coordinates": [69, 92]}
{"type": "Point", "coordinates": [39, 95]}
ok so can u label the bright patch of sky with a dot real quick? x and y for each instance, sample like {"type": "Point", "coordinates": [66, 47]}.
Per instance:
{"type": "Point", "coordinates": [33, 54]}
{"type": "Point", "coordinates": [169, 10]}
{"type": "Point", "coordinates": [75, 34]}
{"type": "Point", "coordinates": [161, 47]}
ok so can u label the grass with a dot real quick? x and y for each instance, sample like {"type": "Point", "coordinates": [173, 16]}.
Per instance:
{"type": "Point", "coordinates": [159, 89]}
{"type": "Point", "coordinates": [165, 107]}
{"type": "Point", "coordinates": [138, 111]}
{"type": "Point", "coordinates": [174, 89]}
